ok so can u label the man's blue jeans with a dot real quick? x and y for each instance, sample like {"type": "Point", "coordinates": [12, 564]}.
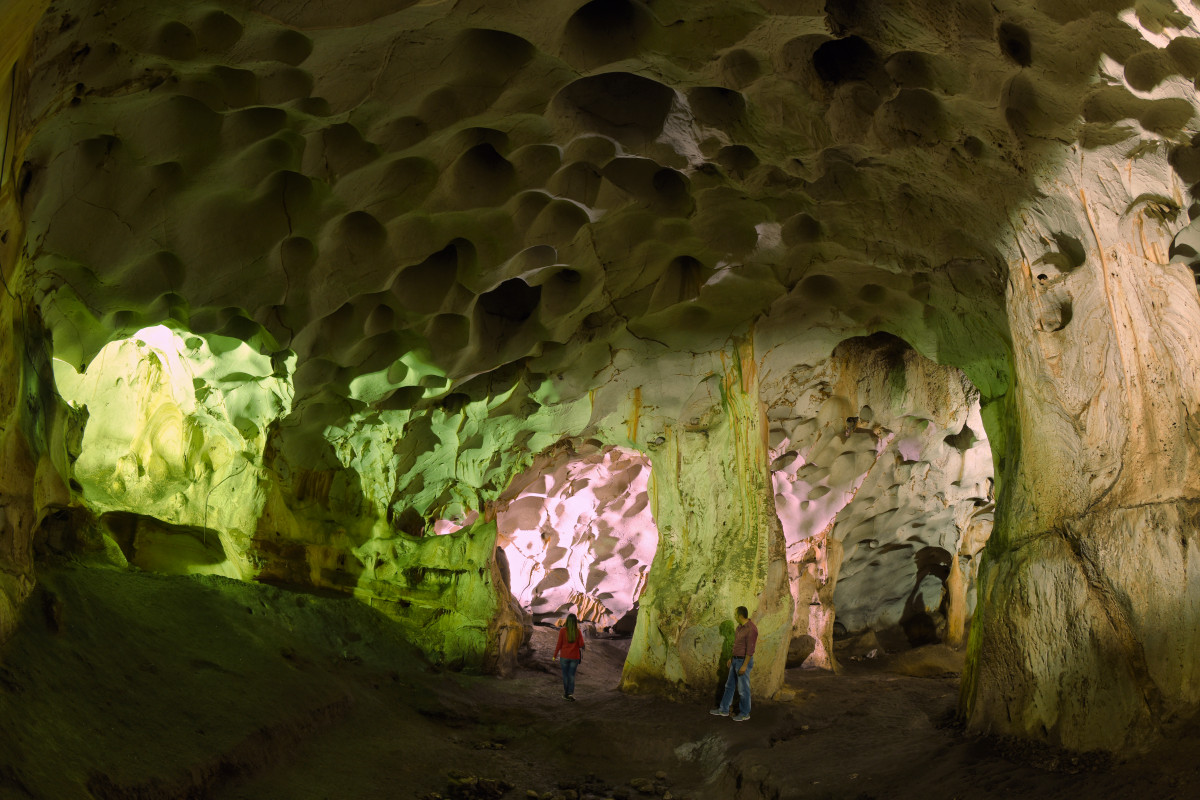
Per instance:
{"type": "Point", "coordinates": [739, 682]}
{"type": "Point", "coordinates": [569, 665]}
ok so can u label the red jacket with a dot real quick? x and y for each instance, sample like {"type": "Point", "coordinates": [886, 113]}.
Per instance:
{"type": "Point", "coordinates": [570, 649]}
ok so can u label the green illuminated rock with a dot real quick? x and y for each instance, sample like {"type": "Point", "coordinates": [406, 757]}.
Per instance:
{"type": "Point", "coordinates": [448, 594]}
{"type": "Point", "coordinates": [381, 255]}
{"type": "Point", "coordinates": [720, 542]}
{"type": "Point", "coordinates": [175, 431]}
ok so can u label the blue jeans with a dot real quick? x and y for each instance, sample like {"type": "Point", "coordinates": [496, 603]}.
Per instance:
{"type": "Point", "coordinates": [739, 682]}
{"type": "Point", "coordinates": [569, 665]}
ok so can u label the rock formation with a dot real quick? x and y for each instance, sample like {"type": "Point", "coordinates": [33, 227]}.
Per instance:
{"type": "Point", "coordinates": [1090, 598]}
{"type": "Point", "coordinates": [578, 534]}
{"type": "Point", "coordinates": [720, 541]}
{"type": "Point", "coordinates": [883, 477]}
{"type": "Point", "coordinates": [290, 288]}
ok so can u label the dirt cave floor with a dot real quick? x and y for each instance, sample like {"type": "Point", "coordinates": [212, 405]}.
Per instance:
{"type": "Point", "coordinates": [124, 684]}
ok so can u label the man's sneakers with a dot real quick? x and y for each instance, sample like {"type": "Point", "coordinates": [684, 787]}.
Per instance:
{"type": "Point", "coordinates": [570, 697]}
{"type": "Point", "coordinates": [718, 712]}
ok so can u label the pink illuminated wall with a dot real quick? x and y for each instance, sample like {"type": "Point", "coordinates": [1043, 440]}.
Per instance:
{"type": "Point", "coordinates": [578, 533]}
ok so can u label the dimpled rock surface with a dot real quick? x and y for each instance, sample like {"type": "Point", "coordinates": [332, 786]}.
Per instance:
{"type": "Point", "coordinates": [883, 481]}
{"type": "Point", "coordinates": [578, 534]}
{"type": "Point", "coordinates": [461, 233]}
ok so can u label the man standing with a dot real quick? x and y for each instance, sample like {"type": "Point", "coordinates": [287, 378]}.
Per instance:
{"type": "Point", "coordinates": [744, 640]}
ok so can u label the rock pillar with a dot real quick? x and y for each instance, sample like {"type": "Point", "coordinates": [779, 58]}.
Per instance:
{"type": "Point", "coordinates": [814, 580]}
{"type": "Point", "coordinates": [1089, 601]}
{"type": "Point", "coordinates": [720, 543]}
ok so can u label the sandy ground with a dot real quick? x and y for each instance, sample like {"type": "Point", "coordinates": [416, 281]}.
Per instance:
{"type": "Point", "coordinates": [126, 684]}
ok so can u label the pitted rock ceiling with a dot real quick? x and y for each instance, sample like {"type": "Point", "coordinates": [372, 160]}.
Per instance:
{"type": "Point", "coordinates": [306, 280]}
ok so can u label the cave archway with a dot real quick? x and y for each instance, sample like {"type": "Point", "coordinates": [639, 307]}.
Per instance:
{"type": "Point", "coordinates": [577, 535]}
{"type": "Point", "coordinates": [884, 484]}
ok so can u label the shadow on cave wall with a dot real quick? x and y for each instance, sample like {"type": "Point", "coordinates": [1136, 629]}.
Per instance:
{"type": "Point", "coordinates": [315, 518]}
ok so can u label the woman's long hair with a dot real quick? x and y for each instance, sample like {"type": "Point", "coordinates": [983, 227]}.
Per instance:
{"type": "Point", "coordinates": [572, 627]}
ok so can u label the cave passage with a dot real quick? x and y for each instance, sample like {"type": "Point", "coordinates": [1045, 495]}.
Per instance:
{"type": "Point", "coordinates": [874, 317]}
{"type": "Point", "coordinates": [579, 537]}
{"type": "Point", "coordinates": [883, 482]}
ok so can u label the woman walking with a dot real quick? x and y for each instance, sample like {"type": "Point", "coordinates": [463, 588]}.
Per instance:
{"type": "Point", "coordinates": [570, 644]}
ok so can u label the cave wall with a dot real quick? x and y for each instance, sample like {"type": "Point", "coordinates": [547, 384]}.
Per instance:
{"type": "Point", "coordinates": [29, 483]}
{"type": "Point", "coordinates": [453, 249]}
{"type": "Point", "coordinates": [1095, 536]}
{"type": "Point", "coordinates": [579, 533]}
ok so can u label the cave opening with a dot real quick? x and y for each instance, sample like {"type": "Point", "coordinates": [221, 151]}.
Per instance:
{"type": "Point", "coordinates": [576, 534]}
{"type": "Point", "coordinates": [884, 487]}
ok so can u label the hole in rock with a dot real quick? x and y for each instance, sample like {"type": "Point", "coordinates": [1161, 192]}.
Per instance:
{"type": "Point", "coordinates": [627, 107]}
{"type": "Point", "coordinates": [563, 291]}
{"type": "Point", "coordinates": [849, 59]}
{"type": "Point", "coordinates": [513, 300]}
{"type": "Point", "coordinates": [740, 67]}
{"type": "Point", "coordinates": [482, 177]}
{"type": "Point", "coordinates": [218, 31]}
{"type": "Point", "coordinates": [1057, 312]}
{"type": "Point", "coordinates": [577, 532]}
{"type": "Point", "coordinates": [717, 106]}
{"type": "Point", "coordinates": [680, 282]}
{"type": "Point", "coordinates": [604, 31]}
{"type": "Point", "coordinates": [1014, 43]}
{"type": "Point", "coordinates": [883, 486]}
{"type": "Point", "coordinates": [490, 56]}
{"type": "Point", "coordinates": [423, 287]}
{"type": "Point", "coordinates": [737, 159]}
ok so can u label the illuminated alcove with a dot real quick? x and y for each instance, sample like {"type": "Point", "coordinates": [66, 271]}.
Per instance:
{"type": "Point", "coordinates": [576, 534]}
{"type": "Point", "coordinates": [173, 427]}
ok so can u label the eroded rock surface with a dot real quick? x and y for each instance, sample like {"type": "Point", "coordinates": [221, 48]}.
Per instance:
{"type": "Point", "coordinates": [578, 533]}
{"type": "Point", "coordinates": [447, 237]}
{"type": "Point", "coordinates": [1097, 528]}
{"type": "Point", "coordinates": [883, 482]}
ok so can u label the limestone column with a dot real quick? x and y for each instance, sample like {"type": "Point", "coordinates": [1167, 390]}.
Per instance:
{"type": "Point", "coordinates": [720, 543]}
{"type": "Point", "coordinates": [1088, 622]}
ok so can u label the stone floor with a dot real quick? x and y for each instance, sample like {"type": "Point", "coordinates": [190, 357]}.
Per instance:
{"type": "Point", "coordinates": [126, 684]}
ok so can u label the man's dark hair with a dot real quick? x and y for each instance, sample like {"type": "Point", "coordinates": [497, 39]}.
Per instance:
{"type": "Point", "coordinates": [742, 612]}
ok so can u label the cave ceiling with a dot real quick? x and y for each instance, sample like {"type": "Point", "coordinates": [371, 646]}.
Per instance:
{"type": "Point", "coordinates": [306, 281]}
{"type": "Point", "coordinates": [431, 204]}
